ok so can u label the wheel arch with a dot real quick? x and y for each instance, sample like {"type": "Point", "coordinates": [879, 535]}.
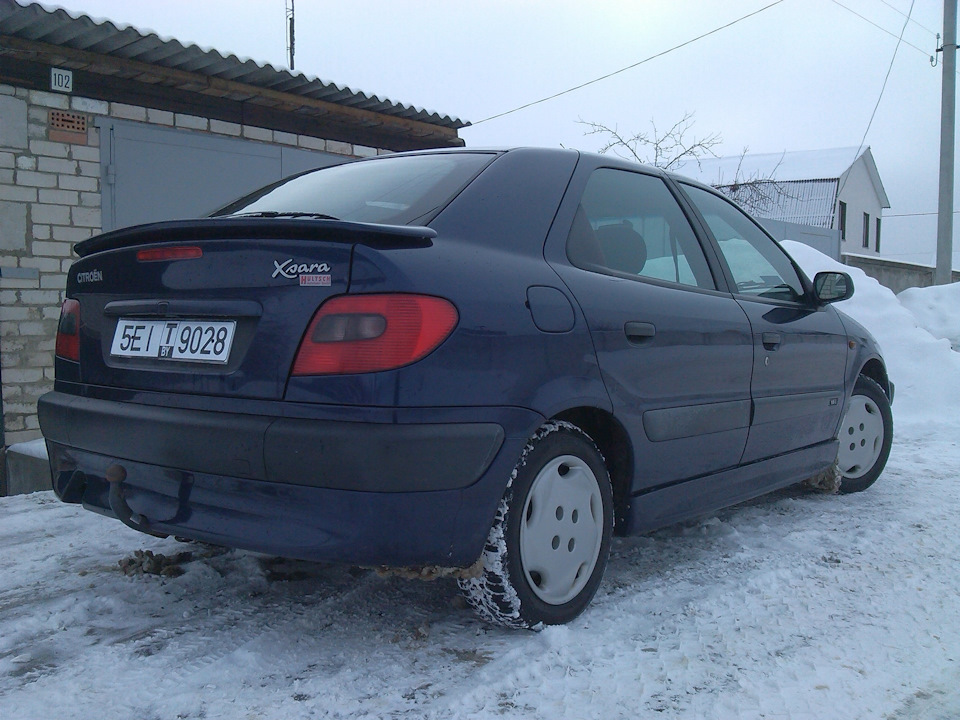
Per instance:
{"type": "Point", "coordinates": [875, 370]}
{"type": "Point", "coordinates": [614, 444]}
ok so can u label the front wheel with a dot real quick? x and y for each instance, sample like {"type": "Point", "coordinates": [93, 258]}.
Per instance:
{"type": "Point", "coordinates": [866, 434]}
{"type": "Point", "coordinates": [548, 546]}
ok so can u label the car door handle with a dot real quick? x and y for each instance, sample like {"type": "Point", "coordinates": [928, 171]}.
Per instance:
{"type": "Point", "coordinates": [639, 333]}
{"type": "Point", "coordinates": [771, 340]}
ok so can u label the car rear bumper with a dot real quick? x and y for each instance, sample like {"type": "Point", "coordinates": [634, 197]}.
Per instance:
{"type": "Point", "coordinates": [374, 457]}
{"type": "Point", "coordinates": [392, 493]}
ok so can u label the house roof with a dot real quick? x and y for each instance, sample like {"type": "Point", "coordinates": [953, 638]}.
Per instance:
{"type": "Point", "coordinates": [55, 27]}
{"type": "Point", "coordinates": [784, 167]}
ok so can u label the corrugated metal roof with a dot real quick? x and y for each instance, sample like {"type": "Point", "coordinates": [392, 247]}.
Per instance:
{"type": "Point", "coordinates": [57, 26]}
{"type": "Point", "coordinates": [805, 202]}
{"type": "Point", "coordinates": [798, 187]}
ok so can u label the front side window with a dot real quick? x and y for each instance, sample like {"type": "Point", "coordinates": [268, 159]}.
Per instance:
{"type": "Point", "coordinates": [866, 230]}
{"type": "Point", "coordinates": [630, 224]}
{"type": "Point", "coordinates": [760, 268]}
{"type": "Point", "coordinates": [843, 220]}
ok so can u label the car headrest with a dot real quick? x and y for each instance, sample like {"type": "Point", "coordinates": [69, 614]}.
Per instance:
{"type": "Point", "coordinates": [583, 250]}
{"type": "Point", "coordinates": [622, 247]}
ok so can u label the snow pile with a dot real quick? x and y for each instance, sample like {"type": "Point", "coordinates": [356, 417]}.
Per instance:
{"type": "Point", "coordinates": [33, 448]}
{"type": "Point", "coordinates": [937, 310]}
{"type": "Point", "coordinates": [924, 369]}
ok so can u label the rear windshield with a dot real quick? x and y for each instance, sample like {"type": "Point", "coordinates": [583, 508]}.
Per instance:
{"type": "Point", "coordinates": [399, 190]}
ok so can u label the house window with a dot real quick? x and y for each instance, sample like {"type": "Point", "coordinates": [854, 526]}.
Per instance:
{"type": "Point", "coordinates": [843, 220]}
{"type": "Point", "coordinates": [878, 235]}
{"type": "Point", "coordinates": [866, 230]}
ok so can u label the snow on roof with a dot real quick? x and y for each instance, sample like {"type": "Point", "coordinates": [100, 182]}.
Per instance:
{"type": "Point", "coordinates": [785, 167]}
{"type": "Point", "coordinates": [782, 166]}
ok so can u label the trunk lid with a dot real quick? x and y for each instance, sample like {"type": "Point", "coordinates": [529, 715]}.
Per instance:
{"type": "Point", "coordinates": [215, 306]}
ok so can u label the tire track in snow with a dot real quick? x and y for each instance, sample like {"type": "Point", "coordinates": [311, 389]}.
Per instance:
{"type": "Point", "coordinates": [790, 606]}
{"type": "Point", "coordinates": [673, 648]}
{"type": "Point", "coordinates": [232, 630]}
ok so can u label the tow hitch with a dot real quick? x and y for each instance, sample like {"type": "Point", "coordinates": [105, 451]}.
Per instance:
{"type": "Point", "coordinates": [115, 475]}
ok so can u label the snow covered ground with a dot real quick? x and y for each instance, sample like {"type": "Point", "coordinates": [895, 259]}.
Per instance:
{"type": "Point", "coordinates": [797, 605]}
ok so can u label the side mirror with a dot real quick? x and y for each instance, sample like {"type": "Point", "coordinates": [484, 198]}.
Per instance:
{"type": "Point", "coordinates": [832, 287]}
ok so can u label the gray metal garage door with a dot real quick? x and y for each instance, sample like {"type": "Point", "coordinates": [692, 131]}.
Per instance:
{"type": "Point", "coordinates": [150, 173]}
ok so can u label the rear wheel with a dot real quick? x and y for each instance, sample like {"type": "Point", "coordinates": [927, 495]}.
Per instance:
{"type": "Point", "coordinates": [866, 434]}
{"type": "Point", "coordinates": [548, 546]}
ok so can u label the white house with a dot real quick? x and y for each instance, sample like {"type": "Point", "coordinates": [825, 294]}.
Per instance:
{"type": "Point", "coordinates": [830, 199]}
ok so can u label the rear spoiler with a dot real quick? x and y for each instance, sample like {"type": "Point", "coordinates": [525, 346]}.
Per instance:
{"type": "Point", "coordinates": [378, 236]}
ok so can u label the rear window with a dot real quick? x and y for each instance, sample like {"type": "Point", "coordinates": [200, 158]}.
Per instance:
{"type": "Point", "coordinates": [399, 190]}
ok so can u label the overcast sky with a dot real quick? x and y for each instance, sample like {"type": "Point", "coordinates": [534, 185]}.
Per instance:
{"type": "Point", "coordinates": [800, 75]}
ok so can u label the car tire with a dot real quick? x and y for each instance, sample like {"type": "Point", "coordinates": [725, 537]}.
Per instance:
{"type": "Point", "coordinates": [866, 433]}
{"type": "Point", "coordinates": [548, 546]}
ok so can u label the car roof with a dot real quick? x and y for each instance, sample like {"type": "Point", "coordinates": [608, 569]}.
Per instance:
{"type": "Point", "coordinates": [598, 158]}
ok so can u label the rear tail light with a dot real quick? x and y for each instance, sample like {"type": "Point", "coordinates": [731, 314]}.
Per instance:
{"type": "Point", "coordinates": [371, 333]}
{"type": "Point", "coordinates": [68, 331]}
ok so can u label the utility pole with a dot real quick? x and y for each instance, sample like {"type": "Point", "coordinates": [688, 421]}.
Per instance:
{"type": "Point", "coordinates": [943, 274]}
{"type": "Point", "coordinates": [290, 38]}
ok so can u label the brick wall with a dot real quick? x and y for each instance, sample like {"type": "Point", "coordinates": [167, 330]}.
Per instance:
{"type": "Point", "coordinates": [49, 200]}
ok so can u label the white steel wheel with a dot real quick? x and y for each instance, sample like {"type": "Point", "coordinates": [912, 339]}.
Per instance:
{"type": "Point", "coordinates": [561, 530]}
{"type": "Point", "coordinates": [861, 437]}
{"type": "Point", "coordinates": [865, 437]}
{"type": "Point", "coordinates": [548, 545]}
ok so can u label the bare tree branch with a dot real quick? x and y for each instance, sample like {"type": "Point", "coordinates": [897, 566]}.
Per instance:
{"type": "Point", "coordinates": [666, 150]}
{"type": "Point", "coordinates": [759, 193]}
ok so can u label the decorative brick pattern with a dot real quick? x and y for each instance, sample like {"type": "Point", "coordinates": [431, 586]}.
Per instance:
{"type": "Point", "coordinates": [68, 127]}
{"type": "Point", "coordinates": [50, 199]}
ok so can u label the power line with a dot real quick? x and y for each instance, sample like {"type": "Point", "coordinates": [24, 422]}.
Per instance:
{"type": "Point", "coordinates": [628, 67]}
{"type": "Point", "coordinates": [915, 22]}
{"type": "Point", "coordinates": [883, 29]}
{"type": "Point", "coordinates": [882, 88]}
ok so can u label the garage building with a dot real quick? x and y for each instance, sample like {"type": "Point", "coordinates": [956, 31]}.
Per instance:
{"type": "Point", "coordinates": [104, 126]}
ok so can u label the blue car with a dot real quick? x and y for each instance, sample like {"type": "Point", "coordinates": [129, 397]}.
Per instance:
{"type": "Point", "coordinates": [485, 362]}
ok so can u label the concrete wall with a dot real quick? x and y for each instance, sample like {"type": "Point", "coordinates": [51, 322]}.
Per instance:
{"type": "Point", "coordinates": [898, 276]}
{"type": "Point", "coordinates": [50, 198]}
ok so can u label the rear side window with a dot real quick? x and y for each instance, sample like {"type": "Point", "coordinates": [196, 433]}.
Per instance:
{"type": "Point", "coordinates": [759, 266]}
{"type": "Point", "coordinates": [630, 224]}
{"type": "Point", "coordinates": [390, 190]}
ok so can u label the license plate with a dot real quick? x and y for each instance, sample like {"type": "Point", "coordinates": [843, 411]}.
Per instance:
{"type": "Point", "coordinates": [186, 340]}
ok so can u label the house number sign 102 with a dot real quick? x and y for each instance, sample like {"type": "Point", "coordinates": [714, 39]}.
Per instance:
{"type": "Point", "coordinates": [61, 80]}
